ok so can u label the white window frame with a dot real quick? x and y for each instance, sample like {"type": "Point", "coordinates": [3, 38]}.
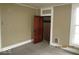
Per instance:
{"type": "Point", "coordinates": [46, 9]}
{"type": "Point", "coordinates": [72, 29]}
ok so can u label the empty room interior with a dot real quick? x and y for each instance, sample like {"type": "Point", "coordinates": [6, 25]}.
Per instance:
{"type": "Point", "coordinates": [39, 29]}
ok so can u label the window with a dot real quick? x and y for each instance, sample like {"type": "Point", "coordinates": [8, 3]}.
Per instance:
{"type": "Point", "coordinates": [46, 11]}
{"type": "Point", "coordinates": [75, 30]}
{"type": "Point", "coordinates": [76, 34]}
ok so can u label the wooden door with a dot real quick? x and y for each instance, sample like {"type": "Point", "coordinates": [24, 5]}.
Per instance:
{"type": "Point", "coordinates": [38, 29]}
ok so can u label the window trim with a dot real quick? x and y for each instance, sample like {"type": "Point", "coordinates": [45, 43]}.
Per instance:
{"type": "Point", "coordinates": [72, 29]}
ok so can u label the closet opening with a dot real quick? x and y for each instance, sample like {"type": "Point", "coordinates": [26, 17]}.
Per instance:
{"type": "Point", "coordinates": [46, 28]}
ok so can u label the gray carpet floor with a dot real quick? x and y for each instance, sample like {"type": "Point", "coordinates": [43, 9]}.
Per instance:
{"type": "Point", "coordinates": [42, 48]}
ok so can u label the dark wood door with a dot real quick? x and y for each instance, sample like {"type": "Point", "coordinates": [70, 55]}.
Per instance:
{"type": "Point", "coordinates": [38, 29]}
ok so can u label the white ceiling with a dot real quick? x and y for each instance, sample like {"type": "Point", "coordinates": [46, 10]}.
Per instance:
{"type": "Point", "coordinates": [41, 5]}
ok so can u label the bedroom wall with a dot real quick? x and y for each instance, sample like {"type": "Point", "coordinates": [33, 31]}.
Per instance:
{"type": "Point", "coordinates": [17, 23]}
{"type": "Point", "coordinates": [0, 27]}
{"type": "Point", "coordinates": [61, 24]}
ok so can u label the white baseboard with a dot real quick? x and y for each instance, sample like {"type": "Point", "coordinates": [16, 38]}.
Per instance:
{"type": "Point", "coordinates": [73, 50]}
{"type": "Point", "coordinates": [56, 45]}
{"type": "Point", "coordinates": [16, 45]}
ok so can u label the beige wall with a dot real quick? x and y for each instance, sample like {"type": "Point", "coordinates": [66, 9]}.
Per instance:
{"type": "Point", "coordinates": [61, 24]}
{"type": "Point", "coordinates": [0, 27]}
{"type": "Point", "coordinates": [17, 23]}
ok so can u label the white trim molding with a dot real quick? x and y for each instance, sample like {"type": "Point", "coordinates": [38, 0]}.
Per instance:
{"type": "Point", "coordinates": [73, 50]}
{"type": "Point", "coordinates": [51, 28]}
{"type": "Point", "coordinates": [55, 45]}
{"type": "Point", "coordinates": [21, 4]}
{"type": "Point", "coordinates": [15, 45]}
{"type": "Point", "coordinates": [62, 4]}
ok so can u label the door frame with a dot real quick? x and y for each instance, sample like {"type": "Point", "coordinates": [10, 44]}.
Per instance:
{"type": "Point", "coordinates": [51, 26]}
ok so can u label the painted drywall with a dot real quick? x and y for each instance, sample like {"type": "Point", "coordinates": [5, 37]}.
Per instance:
{"type": "Point", "coordinates": [61, 24]}
{"type": "Point", "coordinates": [17, 23]}
{"type": "Point", "coordinates": [0, 27]}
